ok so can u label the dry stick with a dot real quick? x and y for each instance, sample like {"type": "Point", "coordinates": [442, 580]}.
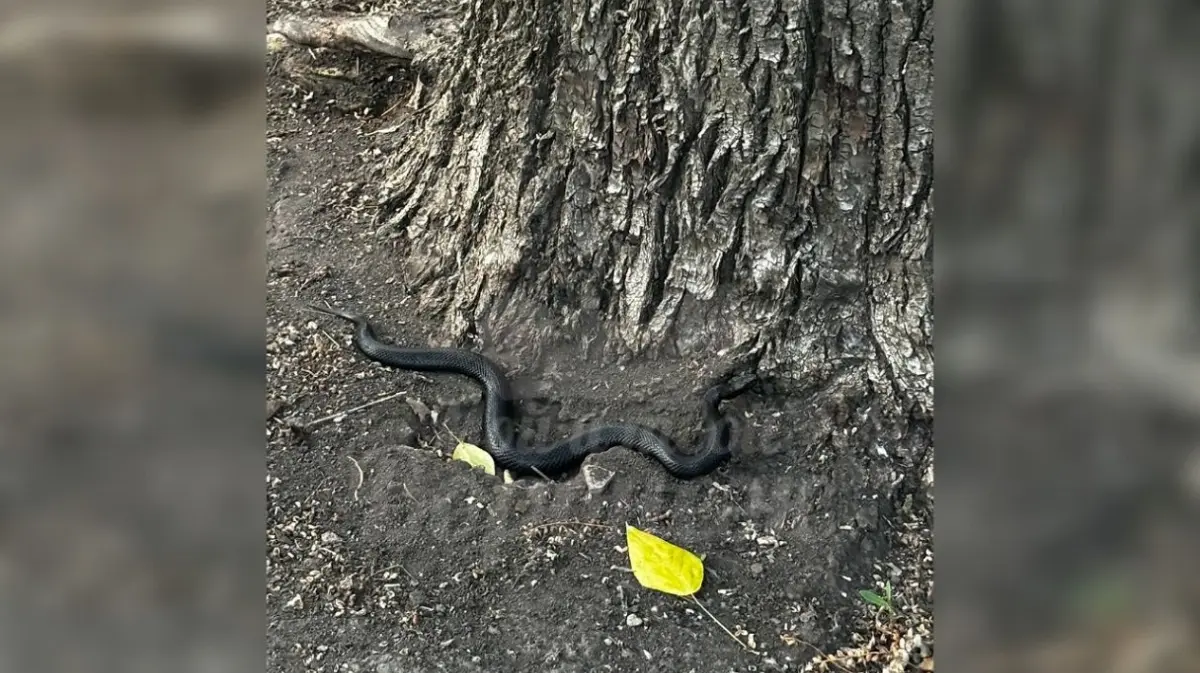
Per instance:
{"type": "Point", "coordinates": [340, 414]}
{"type": "Point", "coordinates": [408, 492]}
{"type": "Point", "coordinates": [456, 438]}
{"type": "Point", "coordinates": [418, 88]}
{"type": "Point", "coordinates": [394, 567]}
{"type": "Point", "coordinates": [331, 339]}
{"type": "Point", "coordinates": [739, 641]}
{"type": "Point", "coordinates": [823, 654]}
{"type": "Point", "coordinates": [360, 477]}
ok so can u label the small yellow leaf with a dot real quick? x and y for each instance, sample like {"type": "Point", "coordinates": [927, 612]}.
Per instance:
{"type": "Point", "coordinates": [660, 565]}
{"type": "Point", "coordinates": [508, 478]}
{"type": "Point", "coordinates": [475, 457]}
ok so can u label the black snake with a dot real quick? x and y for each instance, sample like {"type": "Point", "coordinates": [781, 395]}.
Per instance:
{"type": "Point", "coordinates": [499, 425]}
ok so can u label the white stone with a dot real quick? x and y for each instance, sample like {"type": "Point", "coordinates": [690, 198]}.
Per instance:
{"type": "Point", "coordinates": [597, 477]}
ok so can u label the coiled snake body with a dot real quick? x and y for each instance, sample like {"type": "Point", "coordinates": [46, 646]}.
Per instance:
{"type": "Point", "coordinates": [499, 426]}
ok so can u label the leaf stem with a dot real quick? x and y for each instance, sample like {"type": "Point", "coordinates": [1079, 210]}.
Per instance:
{"type": "Point", "coordinates": [738, 640]}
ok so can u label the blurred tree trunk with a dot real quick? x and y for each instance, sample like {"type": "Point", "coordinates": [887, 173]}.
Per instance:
{"type": "Point", "coordinates": [684, 179]}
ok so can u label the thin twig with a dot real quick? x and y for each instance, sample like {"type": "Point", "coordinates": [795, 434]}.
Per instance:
{"type": "Point", "coordinates": [821, 652]}
{"type": "Point", "coordinates": [550, 524]}
{"type": "Point", "coordinates": [739, 640]}
{"type": "Point", "coordinates": [395, 566]}
{"type": "Point", "coordinates": [333, 417]}
{"type": "Point", "coordinates": [361, 477]}
{"type": "Point", "coordinates": [390, 109]}
{"type": "Point", "coordinates": [331, 339]}
{"type": "Point", "coordinates": [386, 129]}
{"type": "Point", "coordinates": [457, 439]}
{"type": "Point", "coordinates": [408, 492]}
{"type": "Point", "coordinates": [425, 107]}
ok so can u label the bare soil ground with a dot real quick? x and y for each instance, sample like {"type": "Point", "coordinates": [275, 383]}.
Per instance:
{"type": "Point", "coordinates": [383, 555]}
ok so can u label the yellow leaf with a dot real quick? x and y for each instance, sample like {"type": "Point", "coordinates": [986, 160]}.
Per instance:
{"type": "Point", "coordinates": [508, 478]}
{"type": "Point", "coordinates": [660, 565]}
{"type": "Point", "coordinates": [475, 457]}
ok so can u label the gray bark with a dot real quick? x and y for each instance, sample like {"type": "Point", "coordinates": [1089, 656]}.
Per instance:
{"type": "Point", "coordinates": [677, 178]}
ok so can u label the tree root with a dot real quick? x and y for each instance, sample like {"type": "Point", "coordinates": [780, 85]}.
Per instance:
{"type": "Point", "coordinates": [402, 37]}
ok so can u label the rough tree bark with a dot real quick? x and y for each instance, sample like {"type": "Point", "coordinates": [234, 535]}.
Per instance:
{"type": "Point", "coordinates": [684, 178]}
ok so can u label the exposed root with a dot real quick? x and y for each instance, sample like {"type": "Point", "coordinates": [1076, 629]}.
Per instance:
{"type": "Point", "coordinates": [403, 37]}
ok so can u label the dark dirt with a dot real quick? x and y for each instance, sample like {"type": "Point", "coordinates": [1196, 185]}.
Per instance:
{"type": "Point", "coordinates": [384, 555]}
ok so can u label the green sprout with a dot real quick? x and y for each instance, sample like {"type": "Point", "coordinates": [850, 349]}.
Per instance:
{"type": "Point", "coordinates": [882, 603]}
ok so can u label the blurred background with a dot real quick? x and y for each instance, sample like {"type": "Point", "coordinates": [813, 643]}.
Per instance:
{"type": "Point", "coordinates": [131, 359]}
{"type": "Point", "coordinates": [1068, 355]}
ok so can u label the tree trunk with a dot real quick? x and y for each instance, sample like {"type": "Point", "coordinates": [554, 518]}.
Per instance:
{"type": "Point", "coordinates": [684, 179]}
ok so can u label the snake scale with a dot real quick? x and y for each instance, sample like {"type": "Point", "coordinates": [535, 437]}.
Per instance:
{"type": "Point", "coordinates": [499, 419]}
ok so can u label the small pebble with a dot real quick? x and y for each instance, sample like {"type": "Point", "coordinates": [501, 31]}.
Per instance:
{"type": "Point", "coordinates": [597, 478]}
{"type": "Point", "coordinates": [633, 620]}
{"type": "Point", "coordinates": [330, 538]}
{"type": "Point", "coordinates": [756, 568]}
